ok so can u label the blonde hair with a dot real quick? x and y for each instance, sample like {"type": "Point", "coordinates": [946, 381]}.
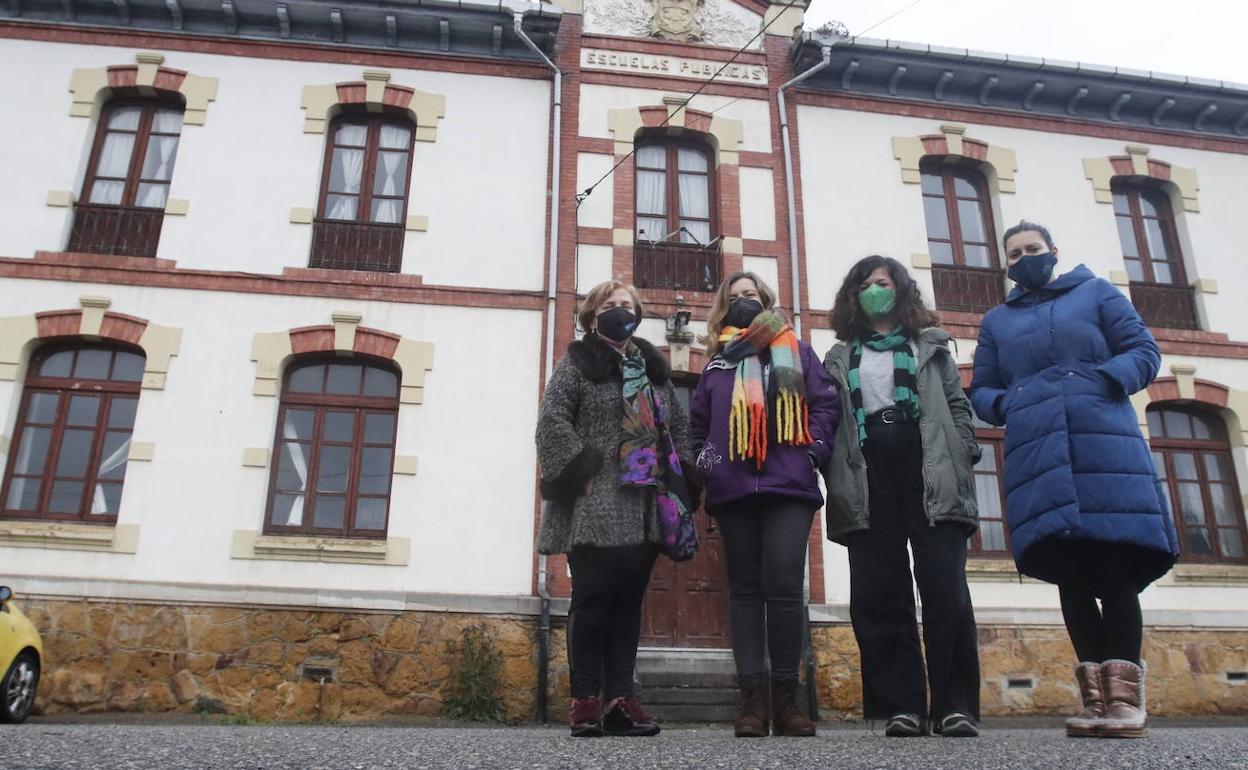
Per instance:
{"type": "Point", "coordinates": [588, 309]}
{"type": "Point", "coordinates": [719, 307]}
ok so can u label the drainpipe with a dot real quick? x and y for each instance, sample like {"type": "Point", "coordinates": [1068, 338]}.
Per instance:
{"type": "Point", "coordinates": [543, 590]}
{"type": "Point", "coordinates": [788, 185]}
{"type": "Point", "coordinates": [812, 698]}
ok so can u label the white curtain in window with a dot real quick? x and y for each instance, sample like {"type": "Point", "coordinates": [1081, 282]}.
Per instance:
{"type": "Point", "coordinates": [694, 196]}
{"type": "Point", "coordinates": [651, 192]}
{"type": "Point", "coordinates": [346, 170]}
{"type": "Point", "coordinates": [114, 161]}
{"type": "Point", "coordinates": [152, 196]}
{"type": "Point", "coordinates": [390, 173]}
{"type": "Point", "coordinates": [301, 468]}
{"type": "Point", "coordinates": [395, 137]}
{"type": "Point", "coordinates": [161, 153]}
{"type": "Point", "coordinates": [387, 211]}
{"type": "Point", "coordinates": [107, 465]}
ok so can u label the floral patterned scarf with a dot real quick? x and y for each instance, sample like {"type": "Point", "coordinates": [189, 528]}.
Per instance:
{"type": "Point", "coordinates": [648, 458]}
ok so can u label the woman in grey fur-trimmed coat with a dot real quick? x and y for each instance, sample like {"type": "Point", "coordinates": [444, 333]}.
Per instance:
{"type": "Point", "coordinates": [600, 507]}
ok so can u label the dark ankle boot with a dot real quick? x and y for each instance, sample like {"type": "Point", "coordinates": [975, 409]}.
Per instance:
{"type": "Point", "coordinates": [786, 717]}
{"type": "Point", "coordinates": [754, 707]}
{"type": "Point", "coordinates": [585, 717]}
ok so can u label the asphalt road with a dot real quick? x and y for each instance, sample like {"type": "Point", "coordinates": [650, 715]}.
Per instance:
{"type": "Point", "coordinates": [100, 745]}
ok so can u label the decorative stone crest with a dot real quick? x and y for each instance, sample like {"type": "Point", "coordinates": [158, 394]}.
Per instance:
{"type": "Point", "coordinates": [714, 22]}
{"type": "Point", "coordinates": [676, 20]}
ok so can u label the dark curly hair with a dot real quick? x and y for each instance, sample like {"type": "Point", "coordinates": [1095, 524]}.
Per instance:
{"type": "Point", "coordinates": [847, 317]}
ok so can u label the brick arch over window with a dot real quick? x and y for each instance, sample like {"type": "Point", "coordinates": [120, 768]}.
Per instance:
{"type": "Point", "coordinates": [1176, 179]}
{"type": "Point", "coordinates": [999, 163]}
{"type": "Point", "coordinates": [677, 268]}
{"type": "Point", "coordinates": [19, 335]}
{"type": "Point", "coordinates": [90, 87]}
{"type": "Point", "coordinates": [322, 102]}
{"type": "Point", "coordinates": [1185, 388]}
{"type": "Point", "coordinates": [271, 351]}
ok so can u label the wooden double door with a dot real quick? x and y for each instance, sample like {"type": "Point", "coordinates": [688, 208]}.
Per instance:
{"type": "Point", "coordinates": [687, 603]}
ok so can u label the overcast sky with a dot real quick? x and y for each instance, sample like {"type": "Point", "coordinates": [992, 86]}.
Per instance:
{"type": "Point", "coordinates": [1202, 38]}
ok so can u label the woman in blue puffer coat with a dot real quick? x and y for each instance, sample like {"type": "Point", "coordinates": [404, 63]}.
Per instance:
{"type": "Point", "coordinates": [1057, 363]}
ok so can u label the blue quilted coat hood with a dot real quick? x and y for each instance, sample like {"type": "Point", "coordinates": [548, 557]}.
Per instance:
{"type": "Point", "coordinates": [1057, 366]}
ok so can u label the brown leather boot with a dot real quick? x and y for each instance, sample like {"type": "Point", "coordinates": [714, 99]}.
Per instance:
{"type": "Point", "coordinates": [753, 722]}
{"type": "Point", "coordinates": [585, 717]}
{"type": "Point", "coordinates": [786, 717]}
{"type": "Point", "coordinates": [1122, 682]}
{"type": "Point", "coordinates": [1093, 716]}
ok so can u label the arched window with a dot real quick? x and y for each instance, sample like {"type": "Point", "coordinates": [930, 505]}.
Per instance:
{"type": "Point", "coordinates": [676, 244]}
{"type": "Point", "coordinates": [1150, 252]}
{"type": "Point", "coordinates": [123, 196]}
{"type": "Point", "coordinates": [1193, 460]}
{"type": "Point", "coordinates": [72, 439]}
{"type": "Point", "coordinates": [334, 449]}
{"type": "Point", "coordinates": [364, 186]}
{"type": "Point", "coordinates": [961, 239]}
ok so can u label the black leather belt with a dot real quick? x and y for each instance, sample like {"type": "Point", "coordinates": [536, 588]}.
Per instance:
{"type": "Point", "coordinates": [889, 416]}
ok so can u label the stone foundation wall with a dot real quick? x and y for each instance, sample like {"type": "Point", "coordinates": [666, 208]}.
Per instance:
{"type": "Point", "coordinates": [1187, 671]}
{"type": "Point", "coordinates": [266, 664]}
{"type": "Point", "coordinates": [256, 661]}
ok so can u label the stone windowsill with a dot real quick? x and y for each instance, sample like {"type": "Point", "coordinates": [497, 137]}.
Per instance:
{"type": "Point", "coordinates": [250, 544]}
{"type": "Point", "coordinates": [993, 571]}
{"type": "Point", "coordinates": [116, 538]}
{"type": "Point", "coordinates": [1211, 574]}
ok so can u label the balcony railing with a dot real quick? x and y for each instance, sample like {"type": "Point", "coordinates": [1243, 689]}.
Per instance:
{"type": "Point", "coordinates": [368, 246]}
{"type": "Point", "coordinates": [125, 230]}
{"type": "Point", "coordinates": [1165, 305]}
{"type": "Point", "coordinates": [683, 266]}
{"type": "Point", "coordinates": [967, 289]}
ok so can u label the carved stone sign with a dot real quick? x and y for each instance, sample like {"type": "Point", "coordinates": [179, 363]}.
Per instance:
{"type": "Point", "coordinates": [671, 66]}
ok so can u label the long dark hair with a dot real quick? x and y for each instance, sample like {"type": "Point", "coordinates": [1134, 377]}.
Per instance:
{"type": "Point", "coordinates": [847, 317]}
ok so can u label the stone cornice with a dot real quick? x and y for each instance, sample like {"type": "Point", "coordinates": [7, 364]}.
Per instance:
{"type": "Point", "coordinates": [453, 27]}
{"type": "Point", "coordinates": [1114, 96]}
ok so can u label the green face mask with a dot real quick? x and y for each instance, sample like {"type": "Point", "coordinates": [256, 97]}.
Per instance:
{"type": "Point", "coordinates": [876, 300]}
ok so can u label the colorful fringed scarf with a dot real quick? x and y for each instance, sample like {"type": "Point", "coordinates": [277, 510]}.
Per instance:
{"type": "Point", "coordinates": [747, 430]}
{"type": "Point", "coordinates": [648, 458]}
{"type": "Point", "coordinates": [905, 380]}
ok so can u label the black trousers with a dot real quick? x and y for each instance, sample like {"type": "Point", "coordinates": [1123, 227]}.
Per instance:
{"type": "Point", "coordinates": [764, 540]}
{"type": "Point", "coordinates": [604, 621]}
{"type": "Point", "coordinates": [881, 600]}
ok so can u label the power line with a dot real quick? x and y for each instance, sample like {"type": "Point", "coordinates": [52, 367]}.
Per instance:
{"type": "Point", "coordinates": [589, 190]}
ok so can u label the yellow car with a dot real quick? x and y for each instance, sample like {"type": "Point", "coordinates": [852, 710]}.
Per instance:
{"type": "Point", "coordinates": [21, 655]}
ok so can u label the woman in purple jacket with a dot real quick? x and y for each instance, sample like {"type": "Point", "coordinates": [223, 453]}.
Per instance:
{"type": "Point", "coordinates": [761, 422]}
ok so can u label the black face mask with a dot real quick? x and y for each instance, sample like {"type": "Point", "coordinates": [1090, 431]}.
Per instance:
{"type": "Point", "coordinates": [617, 324]}
{"type": "Point", "coordinates": [741, 312]}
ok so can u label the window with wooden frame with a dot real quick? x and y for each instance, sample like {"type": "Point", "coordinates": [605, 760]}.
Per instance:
{"type": "Point", "coordinates": [992, 540]}
{"type": "Point", "coordinates": [676, 237]}
{"type": "Point", "coordinates": [961, 238]}
{"type": "Point", "coordinates": [334, 449]}
{"type": "Point", "coordinates": [72, 438]}
{"type": "Point", "coordinates": [364, 187]}
{"type": "Point", "coordinates": [123, 198]}
{"type": "Point", "coordinates": [1193, 460]}
{"type": "Point", "coordinates": [1151, 254]}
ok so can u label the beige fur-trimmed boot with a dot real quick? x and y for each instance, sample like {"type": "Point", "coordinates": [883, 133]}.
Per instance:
{"type": "Point", "coordinates": [1093, 716]}
{"type": "Point", "coordinates": [1122, 682]}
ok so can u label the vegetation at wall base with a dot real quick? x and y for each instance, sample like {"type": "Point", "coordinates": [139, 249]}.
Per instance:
{"type": "Point", "coordinates": [476, 666]}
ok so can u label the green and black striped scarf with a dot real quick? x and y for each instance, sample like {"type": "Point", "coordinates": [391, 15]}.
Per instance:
{"type": "Point", "coordinates": [905, 380]}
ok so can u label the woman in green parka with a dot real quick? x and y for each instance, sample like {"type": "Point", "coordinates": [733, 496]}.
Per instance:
{"type": "Point", "coordinates": [901, 473]}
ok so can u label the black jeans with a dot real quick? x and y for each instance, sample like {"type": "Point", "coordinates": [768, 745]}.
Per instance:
{"type": "Point", "coordinates": [604, 621]}
{"type": "Point", "coordinates": [881, 600]}
{"type": "Point", "coordinates": [764, 540]}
